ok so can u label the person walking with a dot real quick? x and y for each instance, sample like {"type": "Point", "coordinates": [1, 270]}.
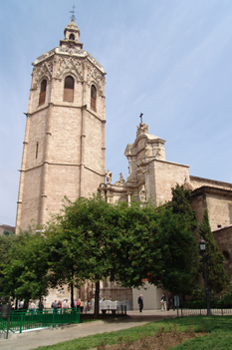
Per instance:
{"type": "Point", "coordinates": [81, 306]}
{"type": "Point", "coordinates": [170, 302]}
{"type": "Point", "coordinates": [140, 302]}
{"type": "Point", "coordinates": [163, 302]}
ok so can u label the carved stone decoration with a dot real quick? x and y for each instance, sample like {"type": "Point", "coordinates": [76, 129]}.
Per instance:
{"type": "Point", "coordinates": [93, 74]}
{"type": "Point", "coordinates": [45, 68]}
{"type": "Point", "coordinates": [121, 181]}
{"type": "Point", "coordinates": [108, 176]}
{"type": "Point", "coordinates": [147, 150]}
{"type": "Point", "coordinates": [123, 198]}
{"type": "Point", "coordinates": [158, 153]}
{"type": "Point", "coordinates": [187, 185]}
{"type": "Point", "coordinates": [141, 129]}
{"type": "Point", "coordinates": [69, 64]}
{"type": "Point", "coordinates": [142, 194]}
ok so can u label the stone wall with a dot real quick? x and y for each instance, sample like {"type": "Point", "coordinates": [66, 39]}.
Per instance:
{"type": "Point", "coordinates": [223, 237]}
{"type": "Point", "coordinates": [166, 176]}
{"type": "Point", "coordinates": [218, 203]}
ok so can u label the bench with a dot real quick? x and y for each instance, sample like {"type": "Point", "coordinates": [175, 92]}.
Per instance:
{"type": "Point", "coordinates": [113, 311]}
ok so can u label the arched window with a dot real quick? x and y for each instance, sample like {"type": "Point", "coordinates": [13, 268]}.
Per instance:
{"type": "Point", "coordinates": [71, 36]}
{"type": "Point", "coordinates": [93, 97]}
{"type": "Point", "coordinates": [68, 89]}
{"type": "Point", "coordinates": [42, 95]}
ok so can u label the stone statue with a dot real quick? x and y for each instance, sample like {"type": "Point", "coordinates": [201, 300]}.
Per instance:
{"type": "Point", "coordinates": [108, 176]}
{"type": "Point", "coordinates": [121, 181]}
{"type": "Point", "coordinates": [142, 128]}
{"type": "Point", "coordinates": [142, 194]}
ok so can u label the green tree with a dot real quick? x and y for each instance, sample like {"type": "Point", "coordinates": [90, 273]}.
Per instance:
{"type": "Point", "coordinates": [158, 246]}
{"type": "Point", "coordinates": [6, 244]}
{"type": "Point", "coordinates": [181, 205]}
{"type": "Point", "coordinates": [216, 275]}
{"type": "Point", "coordinates": [81, 240]}
{"type": "Point", "coordinates": [25, 275]}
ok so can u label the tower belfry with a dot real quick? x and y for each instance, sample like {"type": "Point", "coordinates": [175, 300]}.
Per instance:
{"type": "Point", "coordinates": [64, 144]}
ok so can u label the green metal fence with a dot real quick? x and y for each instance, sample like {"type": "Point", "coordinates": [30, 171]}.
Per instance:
{"type": "Point", "coordinates": [24, 320]}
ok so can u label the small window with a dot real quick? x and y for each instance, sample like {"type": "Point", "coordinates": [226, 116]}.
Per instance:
{"type": "Point", "coordinates": [68, 89]}
{"type": "Point", "coordinates": [226, 256]}
{"type": "Point", "coordinates": [37, 150]}
{"type": "Point", "coordinates": [93, 97]}
{"type": "Point", "coordinates": [42, 95]}
{"type": "Point", "coordinates": [72, 37]}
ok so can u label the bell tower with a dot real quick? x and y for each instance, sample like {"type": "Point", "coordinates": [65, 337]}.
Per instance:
{"type": "Point", "coordinates": [64, 143]}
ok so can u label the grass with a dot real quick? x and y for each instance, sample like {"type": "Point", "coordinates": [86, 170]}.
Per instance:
{"type": "Point", "coordinates": [218, 327]}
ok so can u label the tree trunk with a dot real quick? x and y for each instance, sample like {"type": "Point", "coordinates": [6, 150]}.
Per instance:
{"type": "Point", "coordinates": [96, 304]}
{"type": "Point", "coordinates": [72, 301]}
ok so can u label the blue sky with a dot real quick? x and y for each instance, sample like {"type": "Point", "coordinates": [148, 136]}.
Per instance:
{"type": "Point", "coordinates": [169, 59]}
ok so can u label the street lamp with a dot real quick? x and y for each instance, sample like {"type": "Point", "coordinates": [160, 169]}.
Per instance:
{"type": "Point", "coordinates": [204, 259]}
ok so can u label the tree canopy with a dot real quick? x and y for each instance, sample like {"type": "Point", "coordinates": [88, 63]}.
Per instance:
{"type": "Point", "coordinates": [25, 274]}
{"type": "Point", "coordinates": [216, 275]}
{"type": "Point", "coordinates": [93, 240]}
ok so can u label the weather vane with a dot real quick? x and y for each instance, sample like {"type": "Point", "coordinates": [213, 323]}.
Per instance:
{"type": "Point", "coordinates": [141, 116]}
{"type": "Point", "coordinates": [73, 17]}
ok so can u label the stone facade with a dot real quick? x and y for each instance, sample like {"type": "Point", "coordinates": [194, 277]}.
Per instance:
{"type": "Point", "coordinates": [64, 145]}
{"type": "Point", "coordinates": [224, 242]}
{"type": "Point", "coordinates": [151, 177]}
{"type": "Point", "coordinates": [217, 201]}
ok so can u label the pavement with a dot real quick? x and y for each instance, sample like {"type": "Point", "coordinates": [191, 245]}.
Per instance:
{"type": "Point", "coordinates": [32, 340]}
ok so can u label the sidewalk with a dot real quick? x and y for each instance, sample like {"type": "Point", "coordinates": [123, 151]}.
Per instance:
{"type": "Point", "coordinates": [51, 336]}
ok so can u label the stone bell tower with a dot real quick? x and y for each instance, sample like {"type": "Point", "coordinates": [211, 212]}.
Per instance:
{"type": "Point", "coordinates": [64, 144]}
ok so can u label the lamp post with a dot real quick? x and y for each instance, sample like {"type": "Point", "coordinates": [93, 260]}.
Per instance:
{"type": "Point", "coordinates": [205, 258]}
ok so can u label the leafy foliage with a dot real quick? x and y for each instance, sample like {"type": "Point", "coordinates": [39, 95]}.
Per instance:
{"type": "Point", "coordinates": [81, 241]}
{"type": "Point", "coordinates": [216, 275]}
{"type": "Point", "coordinates": [157, 246]}
{"type": "Point", "coordinates": [91, 239]}
{"type": "Point", "coordinates": [25, 274]}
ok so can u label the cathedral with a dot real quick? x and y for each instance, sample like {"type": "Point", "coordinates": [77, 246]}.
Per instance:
{"type": "Point", "coordinates": [64, 153]}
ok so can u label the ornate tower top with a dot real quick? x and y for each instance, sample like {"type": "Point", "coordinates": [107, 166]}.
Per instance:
{"type": "Point", "coordinates": [71, 36]}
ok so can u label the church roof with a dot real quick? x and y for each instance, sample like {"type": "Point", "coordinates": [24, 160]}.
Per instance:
{"type": "Point", "coordinates": [72, 25]}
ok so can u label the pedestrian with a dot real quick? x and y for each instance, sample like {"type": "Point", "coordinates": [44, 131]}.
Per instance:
{"type": "Point", "coordinates": [41, 304]}
{"type": "Point", "coordinates": [59, 307]}
{"type": "Point", "coordinates": [21, 304]}
{"type": "Point", "coordinates": [163, 302]}
{"type": "Point", "coordinates": [170, 302]}
{"type": "Point", "coordinates": [81, 305]}
{"type": "Point", "coordinates": [78, 304]}
{"type": "Point", "coordinates": [140, 302]}
{"type": "Point", "coordinates": [65, 304]}
{"type": "Point", "coordinates": [32, 307]}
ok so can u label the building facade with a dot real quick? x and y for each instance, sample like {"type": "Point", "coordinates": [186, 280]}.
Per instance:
{"type": "Point", "coordinates": [64, 144]}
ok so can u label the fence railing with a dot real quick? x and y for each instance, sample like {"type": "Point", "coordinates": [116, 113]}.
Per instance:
{"type": "Point", "coordinates": [24, 320]}
{"type": "Point", "coordinates": [192, 312]}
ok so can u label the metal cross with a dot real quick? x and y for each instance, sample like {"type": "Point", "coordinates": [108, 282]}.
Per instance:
{"type": "Point", "coordinates": [73, 17]}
